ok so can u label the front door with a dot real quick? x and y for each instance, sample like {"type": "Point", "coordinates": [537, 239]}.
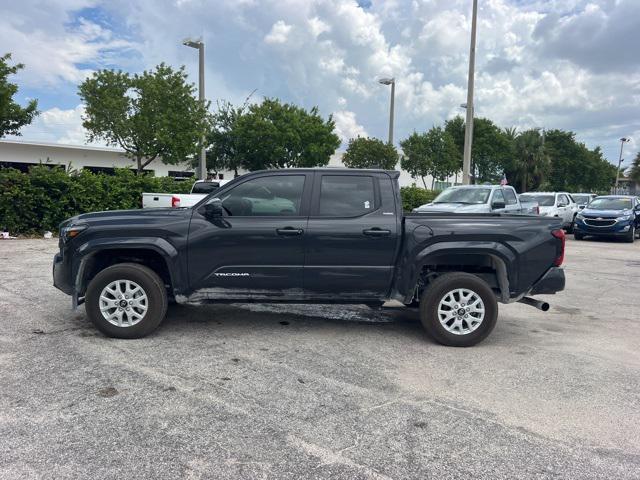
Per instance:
{"type": "Point", "coordinates": [256, 250]}
{"type": "Point", "coordinates": [351, 237]}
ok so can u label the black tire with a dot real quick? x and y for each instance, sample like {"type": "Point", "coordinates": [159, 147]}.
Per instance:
{"type": "Point", "coordinates": [631, 235]}
{"type": "Point", "coordinates": [571, 227]}
{"type": "Point", "coordinates": [438, 289]}
{"type": "Point", "coordinates": [150, 283]}
{"type": "Point", "coordinates": [578, 236]}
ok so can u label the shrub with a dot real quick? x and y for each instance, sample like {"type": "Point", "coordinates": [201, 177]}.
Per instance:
{"type": "Point", "coordinates": [413, 197]}
{"type": "Point", "coordinates": [39, 200]}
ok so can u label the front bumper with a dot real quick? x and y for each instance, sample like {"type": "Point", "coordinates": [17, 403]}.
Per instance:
{"type": "Point", "coordinates": [62, 275]}
{"type": "Point", "coordinates": [618, 228]}
{"type": "Point", "coordinates": [551, 282]}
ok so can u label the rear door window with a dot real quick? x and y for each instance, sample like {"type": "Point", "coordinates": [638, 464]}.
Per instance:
{"type": "Point", "coordinates": [346, 196]}
{"type": "Point", "coordinates": [510, 197]}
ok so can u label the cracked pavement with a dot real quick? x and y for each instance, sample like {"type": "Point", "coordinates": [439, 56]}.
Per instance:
{"type": "Point", "coordinates": [282, 391]}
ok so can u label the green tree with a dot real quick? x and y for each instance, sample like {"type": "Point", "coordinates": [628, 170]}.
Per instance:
{"type": "Point", "coordinates": [149, 115]}
{"type": "Point", "coordinates": [489, 150]}
{"type": "Point", "coordinates": [280, 135]}
{"type": "Point", "coordinates": [532, 160]}
{"type": "Point", "coordinates": [634, 173]}
{"type": "Point", "coordinates": [431, 153]}
{"type": "Point", "coordinates": [416, 158]}
{"type": "Point", "coordinates": [222, 141]}
{"type": "Point", "coordinates": [12, 116]}
{"type": "Point", "coordinates": [364, 152]}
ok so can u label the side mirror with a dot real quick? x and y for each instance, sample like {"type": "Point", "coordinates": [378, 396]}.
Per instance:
{"type": "Point", "coordinates": [213, 209]}
{"type": "Point", "coordinates": [498, 205]}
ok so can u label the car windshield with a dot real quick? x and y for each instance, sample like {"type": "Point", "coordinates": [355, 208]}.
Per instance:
{"type": "Point", "coordinates": [581, 199]}
{"type": "Point", "coordinates": [543, 200]}
{"type": "Point", "coordinates": [464, 195]}
{"type": "Point", "coordinates": [611, 203]}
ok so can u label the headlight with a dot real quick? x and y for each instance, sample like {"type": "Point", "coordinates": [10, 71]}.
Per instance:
{"type": "Point", "coordinates": [72, 231]}
{"type": "Point", "coordinates": [624, 218]}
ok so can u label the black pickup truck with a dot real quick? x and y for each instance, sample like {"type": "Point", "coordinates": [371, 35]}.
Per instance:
{"type": "Point", "coordinates": [308, 236]}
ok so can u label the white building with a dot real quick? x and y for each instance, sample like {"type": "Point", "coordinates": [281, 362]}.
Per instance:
{"type": "Point", "coordinates": [22, 154]}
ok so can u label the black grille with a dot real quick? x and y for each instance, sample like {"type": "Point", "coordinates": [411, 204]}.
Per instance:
{"type": "Point", "coordinates": [600, 222]}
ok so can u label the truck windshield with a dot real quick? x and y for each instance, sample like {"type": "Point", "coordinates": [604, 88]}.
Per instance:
{"type": "Point", "coordinates": [543, 200]}
{"type": "Point", "coordinates": [610, 204]}
{"type": "Point", "coordinates": [205, 187]}
{"type": "Point", "coordinates": [581, 199]}
{"type": "Point", "coordinates": [464, 195]}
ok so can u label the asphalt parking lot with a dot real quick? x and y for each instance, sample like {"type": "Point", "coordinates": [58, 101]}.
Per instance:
{"type": "Point", "coordinates": [268, 391]}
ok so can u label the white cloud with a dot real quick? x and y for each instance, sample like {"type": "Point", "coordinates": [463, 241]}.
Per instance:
{"type": "Point", "coordinates": [555, 64]}
{"type": "Point", "coordinates": [279, 33]}
{"type": "Point", "coordinates": [346, 125]}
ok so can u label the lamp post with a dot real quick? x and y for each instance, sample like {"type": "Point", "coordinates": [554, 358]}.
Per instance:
{"type": "Point", "coordinates": [392, 82]}
{"type": "Point", "coordinates": [199, 45]}
{"type": "Point", "coordinates": [468, 129]}
{"type": "Point", "coordinates": [623, 140]}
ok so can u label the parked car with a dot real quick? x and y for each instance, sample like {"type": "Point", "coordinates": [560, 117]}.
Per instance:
{"type": "Point", "coordinates": [479, 199]}
{"type": "Point", "coordinates": [554, 204]}
{"type": "Point", "coordinates": [199, 190]}
{"type": "Point", "coordinates": [344, 241]}
{"type": "Point", "coordinates": [583, 199]}
{"type": "Point", "coordinates": [610, 215]}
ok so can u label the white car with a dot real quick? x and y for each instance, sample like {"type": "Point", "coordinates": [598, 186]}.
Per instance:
{"type": "Point", "coordinates": [555, 204]}
{"type": "Point", "coordinates": [200, 189]}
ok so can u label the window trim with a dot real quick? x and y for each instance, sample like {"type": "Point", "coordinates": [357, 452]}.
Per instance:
{"type": "Point", "coordinates": [317, 190]}
{"type": "Point", "coordinates": [304, 201]}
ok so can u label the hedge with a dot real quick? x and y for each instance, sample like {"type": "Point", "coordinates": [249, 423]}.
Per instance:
{"type": "Point", "coordinates": [413, 197]}
{"type": "Point", "coordinates": [31, 203]}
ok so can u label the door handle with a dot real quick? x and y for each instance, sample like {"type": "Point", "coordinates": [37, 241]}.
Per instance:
{"type": "Point", "coordinates": [289, 231]}
{"type": "Point", "coordinates": [376, 232]}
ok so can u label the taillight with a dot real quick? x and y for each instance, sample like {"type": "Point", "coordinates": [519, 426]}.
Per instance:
{"type": "Point", "coordinates": [559, 234]}
{"type": "Point", "coordinates": [175, 201]}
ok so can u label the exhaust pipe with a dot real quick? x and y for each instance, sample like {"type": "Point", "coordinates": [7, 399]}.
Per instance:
{"type": "Point", "coordinates": [540, 305]}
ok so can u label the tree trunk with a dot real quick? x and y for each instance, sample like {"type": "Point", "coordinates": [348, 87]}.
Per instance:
{"type": "Point", "coordinates": [433, 182]}
{"type": "Point", "coordinates": [523, 187]}
{"type": "Point", "coordinates": [423, 182]}
{"type": "Point", "coordinates": [139, 161]}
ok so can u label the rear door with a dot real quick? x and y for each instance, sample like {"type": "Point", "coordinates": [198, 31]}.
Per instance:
{"type": "Point", "coordinates": [352, 235]}
{"type": "Point", "coordinates": [498, 198]}
{"type": "Point", "coordinates": [256, 250]}
{"type": "Point", "coordinates": [564, 208]}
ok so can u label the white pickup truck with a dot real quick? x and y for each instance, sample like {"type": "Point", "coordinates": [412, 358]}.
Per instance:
{"type": "Point", "coordinates": [479, 199]}
{"type": "Point", "coordinates": [200, 189]}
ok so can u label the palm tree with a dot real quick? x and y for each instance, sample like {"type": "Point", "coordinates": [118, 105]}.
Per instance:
{"type": "Point", "coordinates": [532, 158]}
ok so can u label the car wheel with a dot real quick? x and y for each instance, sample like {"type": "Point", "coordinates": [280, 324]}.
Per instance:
{"type": "Point", "coordinates": [578, 236]}
{"type": "Point", "coordinates": [631, 235]}
{"type": "Point", "coordinates": [126, 300]}
{"type": "Point", "coordinates": [458, 309]}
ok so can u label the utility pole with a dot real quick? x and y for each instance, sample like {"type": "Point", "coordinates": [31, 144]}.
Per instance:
{"type": "Point", "coordinates": [468, 129]}
{"type": "Point", "coordinates": [623, 140]}
{"type": "Point", "coordinates": [392, 82]}
{"type": "Point", "coordinates": [199, 45]}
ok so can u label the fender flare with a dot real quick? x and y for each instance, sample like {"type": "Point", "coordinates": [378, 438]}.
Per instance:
{"type": "Point", "coordinates": [501, 256]}
{"type": "Point", "coordinates": [166, 250]}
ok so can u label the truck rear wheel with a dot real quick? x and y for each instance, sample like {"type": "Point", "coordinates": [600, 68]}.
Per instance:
{"type": "Point", "coordinates": [458, 309]}
{"type": "Point", "coordinates": [127, 300]}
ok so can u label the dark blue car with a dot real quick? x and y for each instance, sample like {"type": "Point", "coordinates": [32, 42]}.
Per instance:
{"type": "Point", "coordinates": [610, 215]}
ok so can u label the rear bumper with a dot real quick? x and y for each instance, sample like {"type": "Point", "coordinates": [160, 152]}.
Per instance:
{"type": "Point", "coordinates": [551, 282]}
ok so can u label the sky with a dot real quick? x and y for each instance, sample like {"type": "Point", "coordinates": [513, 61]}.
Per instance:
{"type": "Point", "coordinates": [568, 64]}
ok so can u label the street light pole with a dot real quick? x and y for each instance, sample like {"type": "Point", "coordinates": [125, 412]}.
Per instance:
{"type": "Point", "coordinates": [623, 140]}
{"type": "Point", "coordinates": [468, 130]}
{"type": "Point", "coordinates": [199, 44]}
{"type": "Point", "coordinates": [392, 82]}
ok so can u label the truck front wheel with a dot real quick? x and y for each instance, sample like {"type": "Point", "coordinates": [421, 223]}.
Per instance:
{"type": "Point", "coordinates": [126, 300]}
{"type": "Point", "coordinates": [458, 309]}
